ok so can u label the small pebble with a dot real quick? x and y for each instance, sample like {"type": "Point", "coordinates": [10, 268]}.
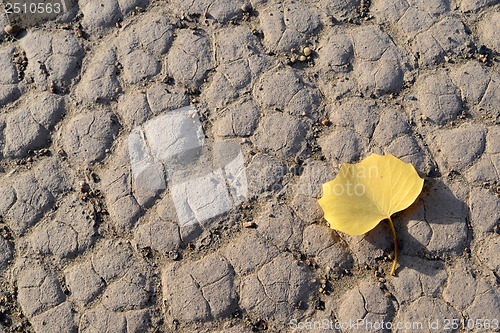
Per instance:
{"type": "Point", "coordinates": [52, 87]}
{"type": "Point", "coordinates": [78, 32]}
{"type": "Point", "coordinates": [84, 187]}
{"type": "Point", "coordinates": [381, 280]}
{"type": "Point", "coordinates": [302, 58]}
{"type": "Point", "coordinates": [326, 122]}
{"type": "Point", "coordinates": [249, 224]}
{"type": "Point", "coordinates": [174, 255]}
{"type": "Point", "coordinates": [12, 30]}
{"type": "Point", "coordinates": [307, 51]}
{"type": "Point", "coordinates": [246, 7]}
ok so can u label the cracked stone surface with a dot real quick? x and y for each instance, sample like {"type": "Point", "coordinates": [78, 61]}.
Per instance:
{"type": "Point", "coordinates": [487, 28]}
{"type": "Point", "coordinates": [194, 292]}
{"type": "Point", "coordinates": [99, 16]}
{"type": "Point", "coordinates": [283, 135]}
{"type": "Point", "coordinates": [52, 57]}
{"type": "Point", "coordinates": [366, 301]}
{"type": "Point", "coordinates": [438, 98]}
{"type": "Point", "coordinates": [88, 135]}
{"type": "Point", "coordinates": [190, 57]}
{"type": "Point", "coordinates": [9, 90]}
{"type": "Point", "coordinates": [161, 162]}
{"type": "Point", "coordinates": [288, 25]}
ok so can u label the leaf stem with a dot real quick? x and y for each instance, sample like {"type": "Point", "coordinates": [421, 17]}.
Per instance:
{"type": "Point", "coordinates": [394, 263]}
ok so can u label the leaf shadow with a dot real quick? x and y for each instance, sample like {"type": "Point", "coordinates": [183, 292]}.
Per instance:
{"type": "Point", "coordinates": [436, 226]}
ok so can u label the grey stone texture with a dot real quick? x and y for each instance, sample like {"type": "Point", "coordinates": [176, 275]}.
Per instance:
{"type": "Point", "coordinates": [249, 252]}
{"type": "Point", "coordinates": [27, 128]}
{"type": "Point", "coordinates": [88, 100]}
{"type": "Point", "coordinates": [429, 27]}
{"type": "Point", "coordinates": [288, 25]}
{"type": "Point", "coordinates": [190, 57]}
{"type": "Point", "coordinates": [265, 173]}
{"type": "Point", "coordinates": [335, 53]}
{"type": "Point", "coordinates": [60, 318]}
{"type": "Point", "coordinates": [282, 135]}
{"type": "Point", "coordinates": [98, 17]}
{"type": "Point", "coordinates": [487, 27]}
{"type": "Point", "coordinates": [238, 71]}
{"type": "Point", "coordinates": [32, 136]}
{"type": "Point", "coordinates": [6, 254]}
{"type": "Point", "coordinates": [84, 283]}
{"type": "Point", "coordinates": [239, 119]}
{"type": "Point", "coordinates": [297, 97]}
{"type": "Point", "coordinates": [193, 292]}
{"type": "Point", "coordinates": [101, 319]}
{"type": "Point", "coordinates": [71, 231]}
{"type": "Point", "coordinates": [100, 78]}
{"type": "Point", "coordinates": [220, 11]}
{"type": "Point", "coordinates": [60, 54]}
{"type": "Point", "coordinates": [89, 134]}
{"type": "Point", "coordinates": [484, 210]}
{"type": "Point", "coordinates": [473, 6]}
{"type": "Point", "coordinates": [159, 235]}
{"type": "Point", "coordinates": [39, 288]}
{"type": "Point", "coordinates": [438, 98]}
{"type": "Point", "coordinates": [485, 170]}
{"type": "Point", "coordinates": [9, 90]}
{"type": "Point", "coordinates": [136, 107]}
{"type": "Point", "coordinates": [321, 243]}
{"type": "Point", "coordinates": [275, 290]}
{"type": "Point", "coordinates": [366, 301]}
{"type": "Point", "coordinates": [418, 312]}
{"type": "Point", "coordinates": [280, 226]}
{"type": "Point", "coordinates": [378, 68]}
{"type": "Point", "coordinates": [25, 201]}
{"type": "Point", "coordinates": [461, 146]}
{"type": "Point", "coordinates": [123, 206]}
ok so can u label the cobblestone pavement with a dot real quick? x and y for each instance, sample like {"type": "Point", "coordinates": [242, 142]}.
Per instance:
{"type": "Point", "coordinates": [301, 86]}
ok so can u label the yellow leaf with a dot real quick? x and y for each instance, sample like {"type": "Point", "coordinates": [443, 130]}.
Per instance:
{"type": "Point", "coordinates": [368, 192]}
